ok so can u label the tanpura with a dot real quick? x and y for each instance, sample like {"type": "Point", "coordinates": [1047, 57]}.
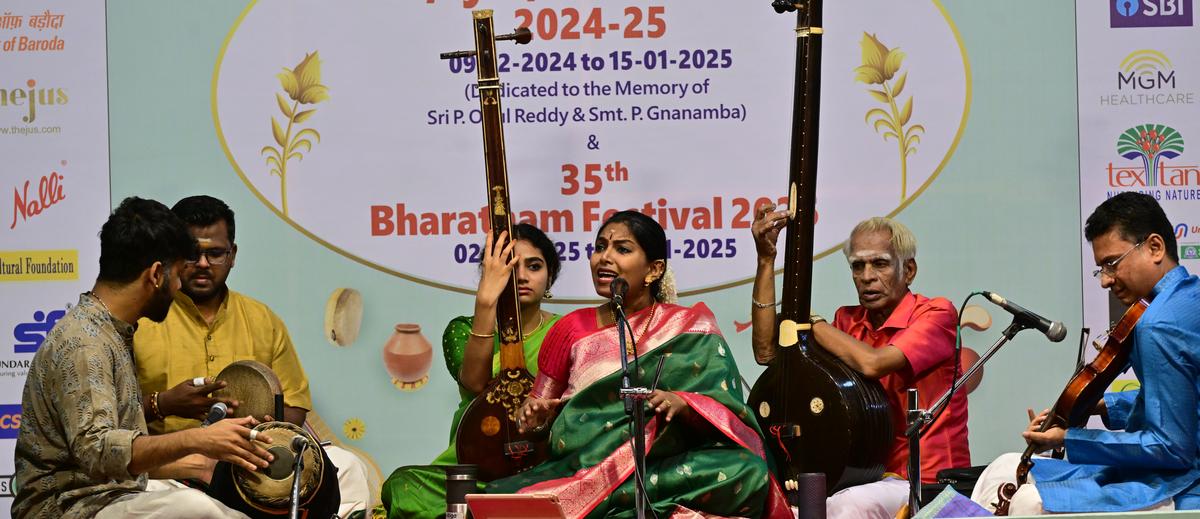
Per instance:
{"type": "Point", "coordinates": [818, 414]}
{"type": "Point", "coordinates": [488, 435]}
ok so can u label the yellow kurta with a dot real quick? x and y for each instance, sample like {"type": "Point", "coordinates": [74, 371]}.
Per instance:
{"type": "Point", "coordinates": [184, 347]}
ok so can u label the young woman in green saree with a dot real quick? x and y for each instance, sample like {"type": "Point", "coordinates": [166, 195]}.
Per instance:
{"type": "Point", "coordinates": [705, 455]}
{"type": "Point", "coordinates": [472, 356]}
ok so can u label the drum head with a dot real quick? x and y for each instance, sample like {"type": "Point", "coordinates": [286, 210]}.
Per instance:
{"type": "Point", "coordinates": [253, 385]}
{"type": "Point", "coordinates": [271, 487]}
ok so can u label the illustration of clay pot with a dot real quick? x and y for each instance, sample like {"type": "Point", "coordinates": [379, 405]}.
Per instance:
{"type": "Point", "coordinates": [407, 356]}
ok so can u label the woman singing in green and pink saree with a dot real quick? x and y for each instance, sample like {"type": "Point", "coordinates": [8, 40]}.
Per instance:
{"type": "Point", "coordinates": [705, 455]}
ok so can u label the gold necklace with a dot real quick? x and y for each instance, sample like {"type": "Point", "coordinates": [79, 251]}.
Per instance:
{"type": "Point", "coordinates": [541, 321]}
{"type": "Point", "coordinates": [98, 300]}
{"type": "Point", "coordinates": [645, 328]}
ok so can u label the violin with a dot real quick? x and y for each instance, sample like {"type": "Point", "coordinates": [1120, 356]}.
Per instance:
{"type": "Point", "coordinates": [488, 435]}
{"type": "Point", "coordinates": [1083, 391]}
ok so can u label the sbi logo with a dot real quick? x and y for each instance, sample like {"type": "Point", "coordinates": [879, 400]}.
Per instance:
{"type": "Point", "coordinates": [30, 335]}
{"type": "Point", "coordinates": [1126, 7]}
{"type": "Point", "coordinates": [1151, 13]}
{"type": "Point", "coordinates": [10, 420]}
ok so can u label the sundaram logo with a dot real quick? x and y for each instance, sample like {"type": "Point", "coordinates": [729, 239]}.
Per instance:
{"type": "Point", "coordinates": [1154, 144]}
{"type": "Point", "coordinates": [31, 98]}
{"type": "Point", "coordinates": [1147, 77]}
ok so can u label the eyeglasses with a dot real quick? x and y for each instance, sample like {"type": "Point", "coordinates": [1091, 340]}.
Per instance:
{"type": "Point", "coordinates": [214, 256]}
{"type": "Point", "coordinates": [1109, 268]}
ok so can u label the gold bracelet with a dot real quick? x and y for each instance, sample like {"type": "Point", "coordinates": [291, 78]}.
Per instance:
{"type": "Point", "coordinates": [154, 412]}
{"type": "Point", "coordinates": [762, 305]}
{"type": "Point", "coordinates": [482, 335]}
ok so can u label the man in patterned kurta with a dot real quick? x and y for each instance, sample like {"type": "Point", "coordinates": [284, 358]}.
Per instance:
{"type": "Point", "coordinates": [83, 448]}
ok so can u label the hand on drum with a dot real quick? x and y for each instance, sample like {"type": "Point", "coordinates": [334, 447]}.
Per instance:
{"type": "Point", "coordinates": [1051, 438]}
{"type": "Point", "coordinates": [766, 227]}
{"type": "Point", "coordinates": [191, 401]}
{"type": "Point", "coordinates": [233, 440]}
{"type": "Point", "coordinates": [537, 413]}
{"type": "Point", "coordinates": [668, 403]}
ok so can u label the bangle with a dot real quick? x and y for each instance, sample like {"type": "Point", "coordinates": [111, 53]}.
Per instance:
{"type": "Point", "coordinates": [482, 335]}
{"type": "Point", "coordinates": [154, 412]}
{"type": "Point", "coordinates": [763, 305]}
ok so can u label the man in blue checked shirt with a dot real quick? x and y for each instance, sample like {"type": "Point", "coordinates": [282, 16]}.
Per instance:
{"type": "Point", "coordinates": [1149, 459]}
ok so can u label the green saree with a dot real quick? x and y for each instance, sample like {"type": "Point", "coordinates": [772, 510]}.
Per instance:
{"type": "Point", "coordinates": [712, 462]}
{"type": "Point", "coordinates": [419, 491]}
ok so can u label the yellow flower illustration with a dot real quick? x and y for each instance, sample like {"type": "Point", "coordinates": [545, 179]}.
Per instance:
{"type": "Point", "coordinates": [880, 65]}
{"type": "Point", "coordinates": [303, 86]}
{"type": "Point", "coordinates": [354, 429]}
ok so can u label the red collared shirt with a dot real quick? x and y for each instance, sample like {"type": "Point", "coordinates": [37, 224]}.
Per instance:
{"type": "Point", "coordinates": [923, 329]}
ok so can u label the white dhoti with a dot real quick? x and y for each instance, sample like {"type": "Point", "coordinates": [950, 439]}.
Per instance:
{"type": "Point", "coordinates": [878, 500]}
{"type": "Point", "coordinates": [353, 480]}
{"type": "Point", "coordinates": [167, 499]}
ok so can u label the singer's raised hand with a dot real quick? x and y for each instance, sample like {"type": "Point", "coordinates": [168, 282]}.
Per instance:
{"type": "Point", "coordinates": [191, 401]}
{"type": "Point", "coordinates": [229, 440]}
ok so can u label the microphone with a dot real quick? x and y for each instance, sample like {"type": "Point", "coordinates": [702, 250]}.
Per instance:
{"type": "Point", "coordinates": [1054, 330]}
{"type": "Point", "coordinates": [619, 287]}
{"type": "Point", "coordinates": [215, 414]}
{"type": "Point", "coordinates": [299, 443]}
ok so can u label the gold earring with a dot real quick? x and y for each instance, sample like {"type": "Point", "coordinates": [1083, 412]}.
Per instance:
{"type": "Point", "coordinates": [647, 282]}
{"type": "Point", "coordinates": [548, 295]}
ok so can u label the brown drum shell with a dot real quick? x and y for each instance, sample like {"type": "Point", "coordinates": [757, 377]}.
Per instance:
{"type": "Point", "coordinates": [260, 490]}
{"type": "Point", "coordinates": [253, 385]}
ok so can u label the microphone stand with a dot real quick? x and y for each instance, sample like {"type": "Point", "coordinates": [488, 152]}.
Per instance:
{"type": "Point", "coordinates": [299, 467]}
{"type": "Point", "coordinates": [919, 418]}
{"type": "Point", "coordinates": [633, 397]}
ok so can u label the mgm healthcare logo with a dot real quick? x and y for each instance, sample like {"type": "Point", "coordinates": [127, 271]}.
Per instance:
{"type": "Point", "coordinates": [1146, 77]}
{"type": "Point", "coordinates": [1150, 13]}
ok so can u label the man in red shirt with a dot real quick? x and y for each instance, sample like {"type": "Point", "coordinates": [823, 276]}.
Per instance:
{"type": "Point", "coordinates": [903, 339]}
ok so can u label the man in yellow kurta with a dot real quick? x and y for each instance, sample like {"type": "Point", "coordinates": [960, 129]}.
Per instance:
{"type": "Point", "coordinates": [210, 327]}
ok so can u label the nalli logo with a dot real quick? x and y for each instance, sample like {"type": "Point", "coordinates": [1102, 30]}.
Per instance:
{"type": "Point", "coordinates": [1150, 13]}
{"type": "Point", "coordinates": [30, 335]}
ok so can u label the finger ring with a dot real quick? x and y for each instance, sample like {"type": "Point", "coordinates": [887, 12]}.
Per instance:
{"type": "Point", "coordinates": [253, 434]}
{"type": "Point", "coordinates": [198, 381]}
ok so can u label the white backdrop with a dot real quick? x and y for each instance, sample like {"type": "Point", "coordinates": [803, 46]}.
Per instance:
{"type": "Point", "coordinates": [1139, 75]}
{"type": "Point", "coordinates": [54, 144]}
{"type": "Point", "coordinates": [592, 125]}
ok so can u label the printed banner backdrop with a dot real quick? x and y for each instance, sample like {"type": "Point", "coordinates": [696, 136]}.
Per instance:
{"type": "Point", "coordinates": [193, 88]}
{"type": "Point", "coordinates": [54, 143]}
{"type": "Point", "coordinates": [1139, 126]}
{"type": "Point", "coordinates": [658, 108]}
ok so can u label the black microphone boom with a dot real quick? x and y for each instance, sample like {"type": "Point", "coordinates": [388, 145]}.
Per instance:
{"type": "Point", "coordinates": [1054, 330]}
{"type": "Point", "coordinates": [619, 287]}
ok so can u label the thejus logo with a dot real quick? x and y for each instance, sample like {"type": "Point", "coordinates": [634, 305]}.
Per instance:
{"type": "Point", "coordinates": [1150, 13]}
{"type": "Point", "coordinates": [31, 98]}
